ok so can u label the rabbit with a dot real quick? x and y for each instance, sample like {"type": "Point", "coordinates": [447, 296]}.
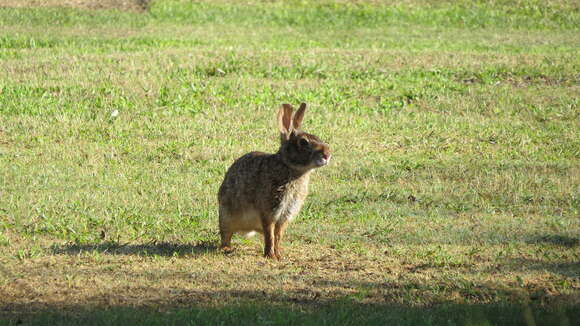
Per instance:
{"type": "Point", "coordinates": [263, 192]}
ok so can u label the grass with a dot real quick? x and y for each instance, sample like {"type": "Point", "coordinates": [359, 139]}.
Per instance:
{"type": "Point", "coordinates": [452, 197]}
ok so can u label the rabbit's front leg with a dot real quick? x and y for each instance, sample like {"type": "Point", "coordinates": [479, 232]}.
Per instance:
{"type": "Point", "coordinates": [279, 234]}
{"type": "Point", "coordinates": [268, 227]}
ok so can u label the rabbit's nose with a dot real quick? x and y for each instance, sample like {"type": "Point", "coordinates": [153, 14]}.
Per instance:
{"type": "Point", "coordinates": [326, 153]}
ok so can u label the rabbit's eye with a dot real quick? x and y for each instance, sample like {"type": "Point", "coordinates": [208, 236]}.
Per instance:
{"type": "Point", "coordinates": [303, 142]}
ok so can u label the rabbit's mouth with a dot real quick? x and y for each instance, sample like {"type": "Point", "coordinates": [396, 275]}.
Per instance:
{"type": "Point", "coordinates": [322, 161]}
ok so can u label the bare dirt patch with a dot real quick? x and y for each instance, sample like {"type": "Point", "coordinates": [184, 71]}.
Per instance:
{"type": "Point", "coordinates": [131, 5]}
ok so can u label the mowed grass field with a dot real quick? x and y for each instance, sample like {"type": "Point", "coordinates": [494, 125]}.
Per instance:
{"type": "Point", "coordinates": [451, 198]}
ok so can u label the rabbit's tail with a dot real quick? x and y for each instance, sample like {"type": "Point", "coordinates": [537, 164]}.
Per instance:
{"type": "Point", "coordinates": [249, 234]}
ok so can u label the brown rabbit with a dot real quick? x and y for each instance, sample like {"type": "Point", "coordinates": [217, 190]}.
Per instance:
{"type": "Point", "coordinates": [264, 192]}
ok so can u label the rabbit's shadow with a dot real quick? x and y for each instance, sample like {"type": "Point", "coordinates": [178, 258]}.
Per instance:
{"type": "Point", "coordinates": [166, 249]}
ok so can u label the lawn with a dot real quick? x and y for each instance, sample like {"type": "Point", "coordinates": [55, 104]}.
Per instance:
{"type": "Point", "coordinates": [451, 197]}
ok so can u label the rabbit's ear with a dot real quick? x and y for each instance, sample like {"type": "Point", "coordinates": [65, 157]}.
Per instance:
{"type": "Point", "coordinates": [285, 119]}
{"type": "Point", "coordinates": [298, 116]}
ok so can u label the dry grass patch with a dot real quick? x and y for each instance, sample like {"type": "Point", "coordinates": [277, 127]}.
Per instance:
{"type": "Point", "coordinates": [178, 275]}
{"type": "Point", "coordinates": [132, 5]}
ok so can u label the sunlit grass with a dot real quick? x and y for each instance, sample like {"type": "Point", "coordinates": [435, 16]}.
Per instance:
{"type": "Point", "coordinates": [454, 181]}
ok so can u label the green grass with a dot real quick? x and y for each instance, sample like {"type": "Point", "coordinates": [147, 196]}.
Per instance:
{"type": "Point", "coordinates": [452, 196]}
{"type": "Point", "coordinates": [343, 313]}
{"type": "Point", "coordinates": [314, 14]}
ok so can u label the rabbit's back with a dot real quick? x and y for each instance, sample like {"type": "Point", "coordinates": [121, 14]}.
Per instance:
{"type": "Point", "coordinates": [242, 181]}
{"type": "Point", "coordinates": [260, 184]}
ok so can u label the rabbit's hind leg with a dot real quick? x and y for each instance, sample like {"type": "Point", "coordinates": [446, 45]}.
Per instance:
{"type": "Point", "coordinates": [226, 237]}
{"type": "Point", "coordinates": [225, 231]}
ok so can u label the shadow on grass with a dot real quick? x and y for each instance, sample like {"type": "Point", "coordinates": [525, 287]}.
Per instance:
{"type": "Point", "coordinates": [556, 239]}
{"type": "Point", "coordinates": [166, 249]}
{"type": "Point", "coordinates": [338, 313]}
{"type": "Point", "coordinates": [569, 269]}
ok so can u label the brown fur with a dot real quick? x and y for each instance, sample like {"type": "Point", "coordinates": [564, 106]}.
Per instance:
{"type": "Point", "coordinates": [263, 192]}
